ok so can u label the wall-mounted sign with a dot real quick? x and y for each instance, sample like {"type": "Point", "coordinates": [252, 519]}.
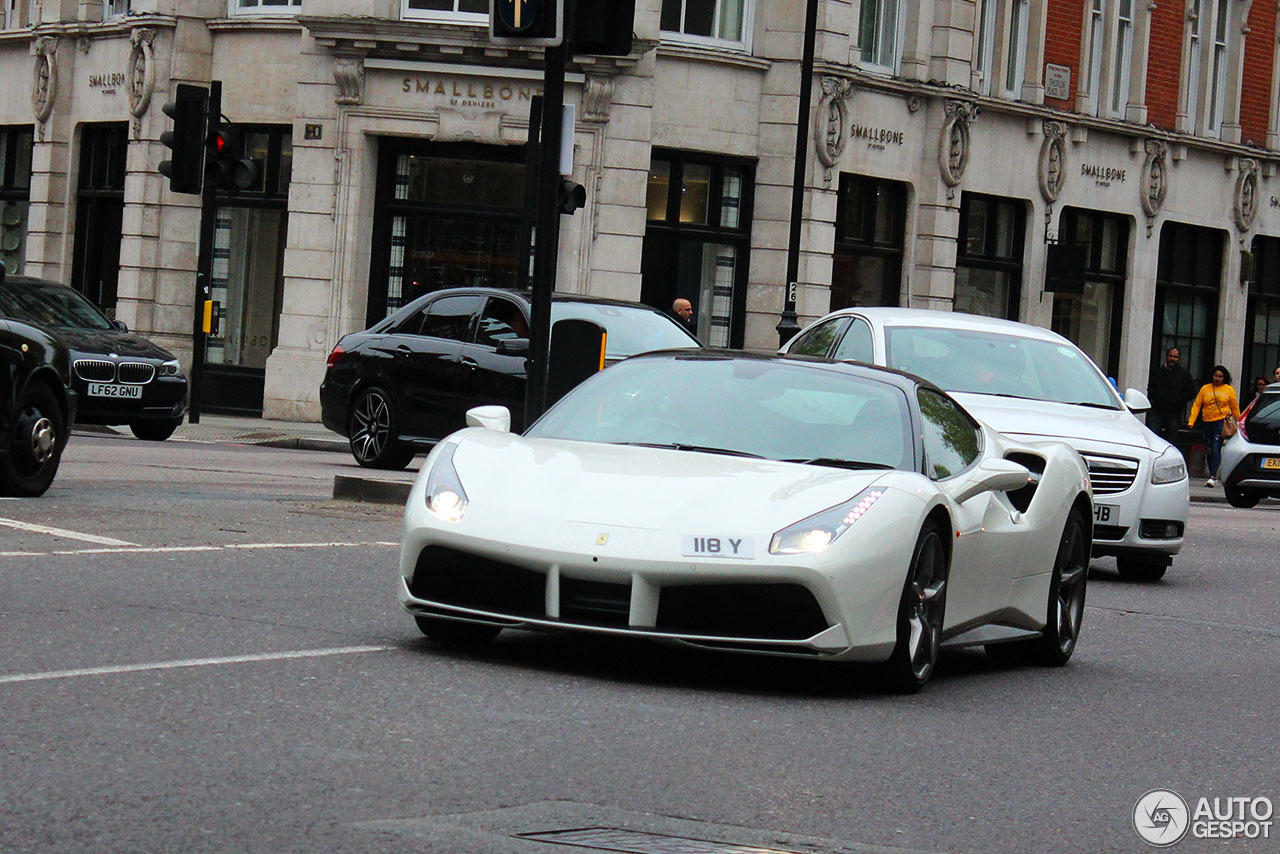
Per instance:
{"type": "Point", "coordinates": [107, 83]}
{"type": "Point", "coordinates": [1057, 82]}
{"type": "Point", "coordinates": [464, 92]}
{"type": "Point", "coordinates": [876, 137]}
{"type": "Point", "coordinates": [1103, 175]}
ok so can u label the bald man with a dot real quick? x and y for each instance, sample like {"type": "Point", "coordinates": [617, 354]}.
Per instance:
{"type": "Point", "coordinates": [683, 310]}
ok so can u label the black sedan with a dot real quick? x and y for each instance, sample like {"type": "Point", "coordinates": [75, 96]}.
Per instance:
{"type": "Point", "coordinates": [37, 406]}
{"type": "Point", "coordinates": [120, 377]}
{"type": "Point", "coordinates": [397, 388]}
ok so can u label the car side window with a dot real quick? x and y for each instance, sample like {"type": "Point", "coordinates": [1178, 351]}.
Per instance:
{"type": "Point", "coordinates": [817, 341]}
{"type": "Point", "coordinates": [856, 343]}
{"type": "Point", "coordinates": [952, 441]}
{"type": "Point", "coordinates": [501, 320]}
{"type": "Point", "coordinates": [450, 317]}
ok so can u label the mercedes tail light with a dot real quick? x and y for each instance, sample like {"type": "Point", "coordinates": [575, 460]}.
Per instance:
{"type": "Point", "coordinates": [334, 356]}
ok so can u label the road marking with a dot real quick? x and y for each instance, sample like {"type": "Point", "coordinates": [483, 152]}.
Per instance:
{"type": "Point", "coordinates": [190, 662]}
{"type": "Point", "coordinates": [64, 533]}
{"type": "Point", "coordinates": [146, 550]}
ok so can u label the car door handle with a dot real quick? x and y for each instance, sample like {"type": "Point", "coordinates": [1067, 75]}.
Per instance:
{"type": "Point", "coordinates": [469, 363]}
{"type": "Point", "coordinates": [402, 350]}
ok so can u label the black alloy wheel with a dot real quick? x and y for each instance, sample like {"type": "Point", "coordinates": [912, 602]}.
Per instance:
{"type": "Point", "coordinates": [456, 631]}
{"type": "Point", "coordinates": [1243, 498]}
{"type": "Point", "coordinates": [154, 431]}
{"type": "Point", "coordinates": [35, 445]}
{"type": "Point", "coordinates": [1141, 569]}
{"type": "Point", "coordinates": [374, 432]}
{"type": "Point", "coordinates": [920, 614]}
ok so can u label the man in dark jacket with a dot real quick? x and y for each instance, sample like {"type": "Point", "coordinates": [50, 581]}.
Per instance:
{"type": "Point", "coordinates": [1170, 390]}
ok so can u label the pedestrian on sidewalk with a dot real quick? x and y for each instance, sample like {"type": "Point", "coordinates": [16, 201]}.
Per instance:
{"type": "Point", "coordinates": [1216, 400]}
{"type": "Point", "coordinates": [1170, 389]}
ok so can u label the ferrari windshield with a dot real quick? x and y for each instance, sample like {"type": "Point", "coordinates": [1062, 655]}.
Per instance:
{"type": "Point", "coordinates": [629, 330]}
{"type": "Point", "coordinates": [739, 406]}
{"type": "Point", "coordinates": [984, 362]}
{"type": "Point", "coordinates": [51, 306]}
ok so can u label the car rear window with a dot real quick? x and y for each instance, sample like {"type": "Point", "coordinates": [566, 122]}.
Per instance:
{"type": "Point", "coordinates": [1266, 412]}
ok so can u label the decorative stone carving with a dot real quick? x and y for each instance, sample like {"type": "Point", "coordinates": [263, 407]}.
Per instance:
{"type": "Point", "coordinates": [348, 74]}
{"type": "Point", "coordinates": [831, 123]}
{"type": "Point", "coordinates": [1246, 195]}
{"type": "Point", "coordinates": [1052, 170]}
{"type": "Point", "coordinates": [953, 154]}
{"type": "Point", "coordinates": [142, 74]}
{"type": "Point", "coordinates": [44, 80]}
{"type": "Point", "coordinates": [1154, 184]}
{"type": "Point", "coordinates": [597, 95]}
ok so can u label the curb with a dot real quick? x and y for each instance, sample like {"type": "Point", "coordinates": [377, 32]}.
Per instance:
{"type": "Point", "coordinates": [370, 491]}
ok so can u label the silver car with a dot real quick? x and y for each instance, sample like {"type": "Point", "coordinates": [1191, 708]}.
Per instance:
{"type": "Point", "coordinates": [1031, 383]}
{"type": "Point", "coordinates": [1251, 459]}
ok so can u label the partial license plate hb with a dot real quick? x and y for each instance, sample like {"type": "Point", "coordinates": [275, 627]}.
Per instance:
{"type": "Point", "coordinates": [1105, 514]}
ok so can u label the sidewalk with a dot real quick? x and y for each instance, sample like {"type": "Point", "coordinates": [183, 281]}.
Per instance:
{"type": "Point", "coordinates": [313, 436]}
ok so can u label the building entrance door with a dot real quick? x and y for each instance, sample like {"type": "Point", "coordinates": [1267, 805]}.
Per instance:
{"type": "Point", "coordinates": [95, 269]}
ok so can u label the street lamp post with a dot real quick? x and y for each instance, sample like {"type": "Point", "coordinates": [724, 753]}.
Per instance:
{"type": "Point", "coordinates": [788, 325]}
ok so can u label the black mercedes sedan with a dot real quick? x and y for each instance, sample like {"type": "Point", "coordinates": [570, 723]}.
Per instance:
{"type": "Point", "coordinates": [37, 405]}
{"type": "Point", "coordinates": [400, 386]}
{"type": "Point", "coordinates": [120, 377]}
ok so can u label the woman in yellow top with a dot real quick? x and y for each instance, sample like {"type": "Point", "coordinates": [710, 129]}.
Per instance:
{"type": "Point", "coordinates": [1213, 404]}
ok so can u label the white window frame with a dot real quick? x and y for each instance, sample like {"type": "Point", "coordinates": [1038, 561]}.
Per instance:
{"type": "Point", "coordinates": [984, 48]}
{"type": "Point", "coordinates": [1122, 62]}
{"type": "Point", "coordinates": [114, 9]}
{"type": "Point", "coordinates": [480, 19]}
{"type": "Point", "coordinates": [12, 19]}
{"type": "Point", "coordinates": [1195, 50]}
{"type": "Point", "coordinates": [897, 32]}
{"type": "Point", "coordinates": [746, 10]}
{"type": "Point", "coordinates": [1219, 66]}
{"type": "Point", "coordinates": [1016, 49]}
{"type": "Point", "coordinates": [1097, 48]}
{"type": "Point", "coordinates": [242, 7]}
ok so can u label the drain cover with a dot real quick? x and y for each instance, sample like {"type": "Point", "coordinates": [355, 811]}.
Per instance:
{"type": "Point", "coordinates": [636, 842]}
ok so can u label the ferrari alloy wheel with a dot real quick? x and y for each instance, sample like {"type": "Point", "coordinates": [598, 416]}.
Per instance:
{"type": "Point", "coordinates": [35, 444]}
{"type": "Point", "coordinates": [920, 613]}
{"type": "Point", "coordinates": [455, 631]}
{"type": "Point", "coordinates": [373, 430]}
{"type": "Point", "coordinates": [1244, 498]}
{"type": "Point", "coordinates": [1141, 569]}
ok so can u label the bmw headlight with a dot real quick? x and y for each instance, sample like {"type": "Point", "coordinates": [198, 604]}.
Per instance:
{"type": "Point", "coordinates": [1169, 467]}
{"type": "Point", "coordinates": [171, 368]}
{"type": "Point", "coordinates": [445, 496]}
{"type": "Point", "coordinates": [816, 533]}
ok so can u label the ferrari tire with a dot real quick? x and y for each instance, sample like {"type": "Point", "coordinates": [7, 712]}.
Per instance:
{"type": "Point", "coordinates": [374, 431]}
{"type": "Point", "coordinates": [920, 613]}
{"type": "Point", "coordinates": [1243, 498]}
{"type": "Point", "coordinates": [1141, 569]}
{"type": "Point", "coordinates": [28, 466]}
{"type": "Point", "coordinates": [154, 431]}
{"type": "Point", "coordinates": [1065, 608]}
{"type": "Point", "coordinates": [455, 631]}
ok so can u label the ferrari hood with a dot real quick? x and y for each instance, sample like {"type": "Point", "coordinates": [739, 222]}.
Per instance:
{"type": "Point", "coordinates": [1032, 419]}
{"type": "Point", "coordinates": [645, 488]}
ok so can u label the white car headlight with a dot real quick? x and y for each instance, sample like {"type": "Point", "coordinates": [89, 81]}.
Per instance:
{"type": "Point", "coordinates": [445, 496]}
{"type": "Point", "coordinates": [170, 368]}
{"type": "Point", "coordinates": [1169, 467]}
{"type": "Point", "coordinates": [814, 534]}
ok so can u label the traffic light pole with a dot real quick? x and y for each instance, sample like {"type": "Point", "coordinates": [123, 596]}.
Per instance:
{"type": "Point", "coordinates": [204, 264]}
{"type": "Point", "coordinates": [547, 230]}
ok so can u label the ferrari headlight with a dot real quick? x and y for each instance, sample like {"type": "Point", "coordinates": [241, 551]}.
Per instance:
{"type": "Point", "coordinates": [1169, 467]}
{"type": "Point", "coordinates": [170, 368]}
{"type": "Point", "coordinates": [814, 534]}
{"type": "Point", "coordinates": [445, 496]}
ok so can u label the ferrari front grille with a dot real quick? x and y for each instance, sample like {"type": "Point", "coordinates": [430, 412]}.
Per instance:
{"type": "Point", "coordinates": [452, 577]}
{"type": "Point", "coordinates": [1110, 475]}
{"type": "Point", "coordinates": [95, 370]}
{"type": "Point", "coordinates": [778, 611]}
{"type": "Point", "coordinates": [136, 373]}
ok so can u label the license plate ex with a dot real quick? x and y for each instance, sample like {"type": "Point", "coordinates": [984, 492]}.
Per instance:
{"type": "Point", "coordinates": [731, 547]}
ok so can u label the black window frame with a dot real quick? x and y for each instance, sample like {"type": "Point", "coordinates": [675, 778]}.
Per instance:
{"type": "Point", "coordinates": [12, 189]}
{"type": "Point", "coordinates": [1204, 248]}
{"type": "Point", "coordinates": [1013, 263]}
{"type": "Point", "coordinates": [1261, 358]}
{"type": "Point", "coordinates": [849, 244]}
{"type": "Point", "coordinates": [1095, 272]}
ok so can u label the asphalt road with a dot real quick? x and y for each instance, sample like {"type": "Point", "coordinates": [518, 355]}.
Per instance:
{"type": "Point", "coordinates": [207, 655]}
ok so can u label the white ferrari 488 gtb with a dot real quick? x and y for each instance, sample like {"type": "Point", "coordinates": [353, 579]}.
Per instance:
{"type": "Point", "coordinates": [762, 504]}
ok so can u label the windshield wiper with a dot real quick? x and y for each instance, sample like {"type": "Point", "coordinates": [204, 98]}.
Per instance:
{"type": "Point", "coordinates": [838, 463]}
{"type": "Point", "coordinates": [702, 449]}
{"type": "Point", "coordinates": [1090, 404]}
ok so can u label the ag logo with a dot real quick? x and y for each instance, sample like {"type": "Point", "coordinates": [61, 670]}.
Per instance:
{"type": "Point", "coordinates": [1161, 817]}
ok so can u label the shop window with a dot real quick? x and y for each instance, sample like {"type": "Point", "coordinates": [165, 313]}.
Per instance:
{"type": "Point", "coordinates": [1188, 279]}
{"type": "Point", "coordinates": [15, 190]}
{"type": "Point", "coordinates": [1262, 320]}
{"type": "Point", "coordinates": [880, 30]}
{"type": "Point", "coordinates": [100, 212]}
{"type": "Point", "coordinates": [870, 227]}
{"type": "Point", "coordinates": [697, 239]}
{"type": "Point", "coordinates": [989, 255]}
{"type": "Point", "coordinates": [265, 7]}
{"type": "Point", "coordinates": [466, 11]}
{"type": "Point", "coordinates": [1092, 318]}
{"type": "Point", "coordinates": [721, 22]}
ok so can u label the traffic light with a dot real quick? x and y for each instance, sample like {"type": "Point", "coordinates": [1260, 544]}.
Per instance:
{"type": "Point", "coordinates": [188, 109]}
{"type": "Point", "coordinates": [571, 196]}
{"type": "Point", "coordinates": [526, 22]}
{"type": "Point", "coordinates": [596, 28]}
{"type": "Point", "coordinates": [224, 165]}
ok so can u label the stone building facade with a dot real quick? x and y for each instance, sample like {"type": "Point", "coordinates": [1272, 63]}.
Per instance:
{"type": "Point", "coordinates": [1106, 168]}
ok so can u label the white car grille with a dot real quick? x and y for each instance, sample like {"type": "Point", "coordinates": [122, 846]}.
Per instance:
{"type": "Point", "coordinates": [1111, 475]}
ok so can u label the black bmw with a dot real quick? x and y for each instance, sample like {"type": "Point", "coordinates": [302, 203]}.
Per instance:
{"type": "Point", "coordinates": [119, 376]}
{"type": "Point", "coordinates": [36, 407]}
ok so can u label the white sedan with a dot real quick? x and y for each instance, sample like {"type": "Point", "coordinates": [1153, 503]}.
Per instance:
{"type": "Point", "coordinates": [754, 504]}
{"type": "Point", "coordinates": [1034, 384]}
